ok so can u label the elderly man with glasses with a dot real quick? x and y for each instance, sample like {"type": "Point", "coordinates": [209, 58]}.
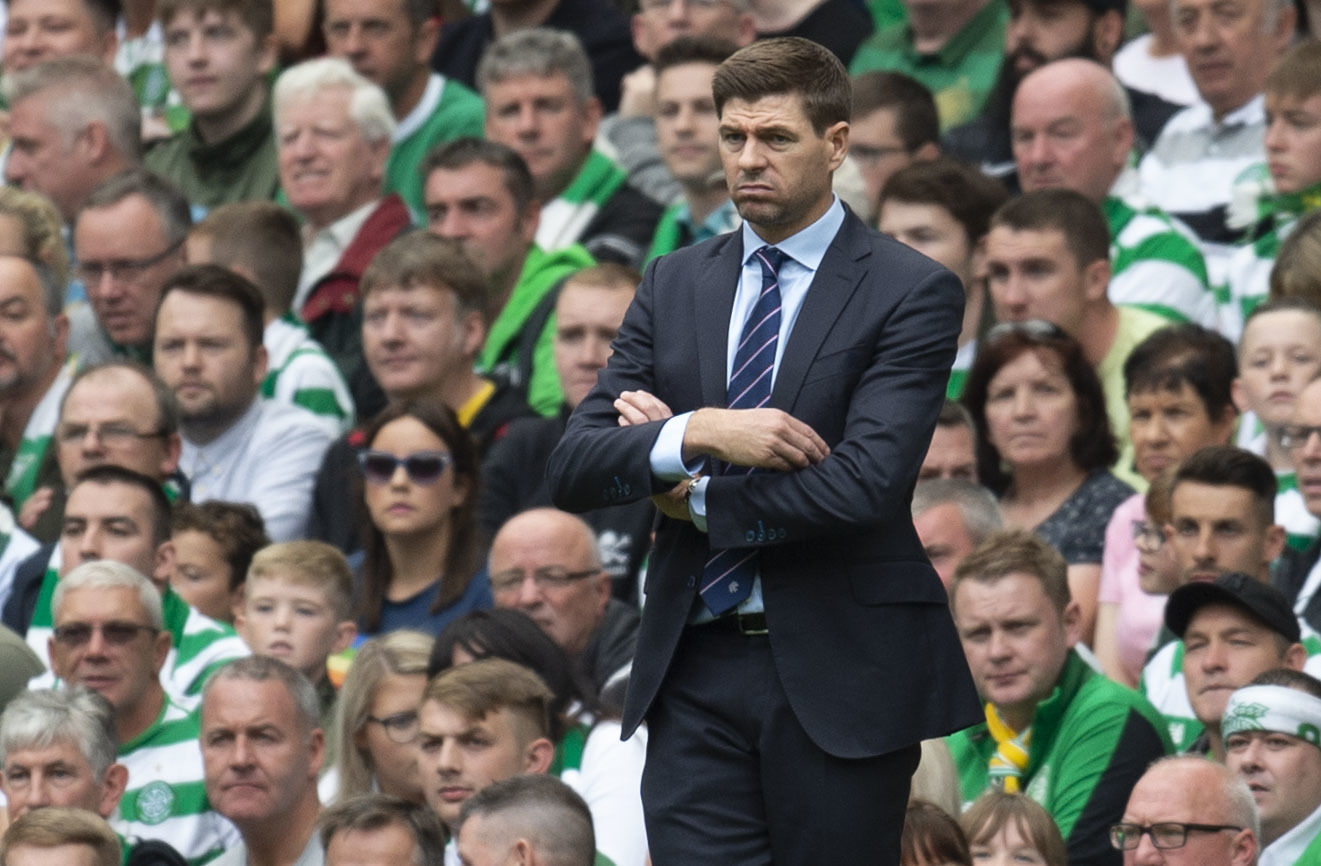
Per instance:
{"type": "Point", "coordinates": [1188, 810]}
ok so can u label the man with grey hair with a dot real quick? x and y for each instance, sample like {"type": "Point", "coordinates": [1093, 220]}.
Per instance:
{"type": "Point", "coordinates": [1156, 263]}
{"type": "Point", "coordinates": [110, 636]}
{"type": "Point", "coordinates": [952, 517]}
{"type": "Point", "coordinates": [333, 129]}
{"type": "Point", "coordinates": [585, 195]}
{"type": "Point", "coordinates": [263, 746]}
{"type": "Point", "coordinates": [386, 828]}
{"type": "Point", "coordinates": [532, 818]}
{"type": "Point", "coordinates": [128, 240]}
{"type": "Point", "coordinates": [1188, 810]}
{"type": "Point", "coordinates": [57, 748]}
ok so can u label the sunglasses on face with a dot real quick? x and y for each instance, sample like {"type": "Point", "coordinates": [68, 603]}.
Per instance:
{"type": "Point", "coordinates": [422, 467]}
{"type": "Point", "coordinates": [115, 633]}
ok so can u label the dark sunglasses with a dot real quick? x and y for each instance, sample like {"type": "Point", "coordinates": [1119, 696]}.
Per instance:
{"type": "Point", "coordinates": [422, 467]}
{"type": "Point", "coordinates": [115, 633]}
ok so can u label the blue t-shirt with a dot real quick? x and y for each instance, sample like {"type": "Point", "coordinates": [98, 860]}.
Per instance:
{"type": "Point", "coordinates": [415, 612]}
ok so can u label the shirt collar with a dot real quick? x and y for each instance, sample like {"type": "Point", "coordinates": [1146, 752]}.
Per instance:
{"type": "Point", "coordinates": [808, 246]}
{"type": "Point", "coordinates": [343, 230]}
{"type": "Point", "coordinates": [425, 106]}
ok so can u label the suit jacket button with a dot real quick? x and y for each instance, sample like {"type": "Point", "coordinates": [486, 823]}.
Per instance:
{"type": "Point", "coordinates": [750, 536]}
{"type": "Point", "coordinates": [692, 581]}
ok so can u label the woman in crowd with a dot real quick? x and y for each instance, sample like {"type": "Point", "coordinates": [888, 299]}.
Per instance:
{"type": "Point", "coordinates": [1045, 447]}
{"type": "Point", "coordinates": [421, 555]}
{"type": "Point", "coordinates": [1004, 829]}
{"type": "Point", "coordinates": [376, 720]}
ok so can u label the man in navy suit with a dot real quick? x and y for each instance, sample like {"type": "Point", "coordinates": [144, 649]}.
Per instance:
{"type": "Point", "coordinates": [774, 390]}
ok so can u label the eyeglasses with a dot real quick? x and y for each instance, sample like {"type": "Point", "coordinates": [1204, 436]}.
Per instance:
{"type": "Point", "coordinates": [120, 270]}
{"type": "Point", "coordinates": [401, 728]}
{"type": "Point", "coordinates": [1038, 329]}
{"type": "Point", "coordinates": [1294, 436]}
{"type": "Point", "coordinates": [549, 577]}
{"type": "Point", "coordinates": [107, 434]}
{"type": "Point", "coordinates": [115, 633]}
{"type": "Point", "coordinates": [1165, 835]}
{"type": "Point", "coordinates": [1148, 536]}
{"type": "Point", "coordinates": [657, 5]}
{"type": "Point", "coordinates": [422, 467]}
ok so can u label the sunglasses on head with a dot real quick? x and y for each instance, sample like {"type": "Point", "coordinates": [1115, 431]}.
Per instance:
{"type": "Point", "coordinates": [422, 467]}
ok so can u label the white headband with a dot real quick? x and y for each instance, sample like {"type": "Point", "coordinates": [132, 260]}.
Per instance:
{"type": "Point", "coordinates": [1273, 708]}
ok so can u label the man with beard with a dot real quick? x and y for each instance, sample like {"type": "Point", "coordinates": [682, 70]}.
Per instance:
{"type": "Point", "coordinates": [1041, 31]}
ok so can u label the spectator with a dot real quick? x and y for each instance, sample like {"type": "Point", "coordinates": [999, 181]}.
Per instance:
{"type": "Point", "coordinates": [942, 209]}
{"type": "Point", "coordinates": [481, 195]}
{"type": "Point", "coordinates": [262, 746]}
{"type": "Point", "coordinates": [1155, 263]}
{"type": "Point", "coordinates": [1003, 827]}
{"type": "Point", "coordinates": [335, 185]}
{"type": "Point", "coordinates": [932, 836]}
{"type": "Point", "coordinates": [376, 720]}
{"type": "Point", "coordinates": [38, 30]}
{"type": "Point", "coordinates": [1044, 443]}
{"type": "Point", "coordinates": [1304, 578]}
{"type": "Point", "coordinates": [422, 565]}
{"type": "Point", "coordinates": [1174, 808]}
{"type": "Point", "coordinates": [390, 43]}
{"type": "Point", "coordinates": [60, 835]}
{"type": "Point", "coordinates": [584, 194]}
{"type": "Point", "coordinates": [1177, 383]}
{"type": "Point", "coordinates": [952, 454]}
{"type": "Point", "coordinates": [894, 125]}
{"type": "Point", "coordinates": [236, 447]}
{"type": "Point", "coordinates": [219, 56]}
{"type": "Point", "coordinates": [952, 518]}
{"type": "Point", "coordinates": [536, 819]}
{"type": "Point", "coordinates": [213, 546]}
{"type": "Point", "coordinates": [391, 829]}
{"type": "Point", "coordinates": [1053, 725]}
{"type": "Point", "coordinates": [1152, 61]}
{"type": "Point", "coordinates": [1295, 272]}
{"type": "Point", "coordinates": [1268, 727]}
{"type": "Point", "coordinates": [837, 25]}
{"type": "Point", "coordinates": [260, 242]}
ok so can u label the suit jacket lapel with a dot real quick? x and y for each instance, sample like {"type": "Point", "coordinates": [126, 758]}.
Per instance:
{"type": "Point", "coordinates": [713, 303]}
{"type": "Point", "coordinates": [835, 281]}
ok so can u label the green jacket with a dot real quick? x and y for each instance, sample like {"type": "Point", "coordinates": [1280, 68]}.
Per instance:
{"type": "Point", "coordinates": [240, 168]}
{"type": "Point", "coordinates": [1092, 739]}
{"type": "Point", "coordinates": [454, 112]}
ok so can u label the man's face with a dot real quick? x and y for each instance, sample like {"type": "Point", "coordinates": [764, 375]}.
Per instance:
{"type": "Point", "coordinates": [687, 127]}
{"type": "Point", "coordinates": [108, 521]}
{"type": "Point", "coordinates": [37, 30]}
{"type": "Point", "coordinates": [112, 245]}
{"type": "Point", "coordinates": [876, 147]}
{"type": "Point", "coordinates": [1279, 353]}
{"type": "Point", "coordinates": [542, 119]}
{"type": "Point", "coordinates": [1307, 458]}
{"type": "Point", "coordinates": [1224, 649]}
{"type": "Point", "coordinates": [932, 231]}
{"type": "Point", "coordinates": [945, 538]}
{"type": "Point", "coordinates": [568, 609]}
{"type": "Point", "coordinates": [259, 760]}
{"type": "Point", "coordinates": [110, 416]}
{"type": "Point", "coordinates": [203, 356]}
{"type": "Point", "coordinates": [1293, 140]}
{"type": "Point", "coordinates": [124, 674]}
{"type": "Point", "coordinates": [1033, 275]}
{"type": "Point", "coordinates": [1217, 529]}
{"type": "Point", "coordinates": [952, 454]}
{"type": "Point", "coordinates": [460, 756]}
{"type": "Point", "coordinates": [32, 342]}
{"type": "Point", "coordinates": [44, 160]}
{"type": "Point", "coordinates": [1166, 426]}
{"type": "Point", "coordinates": [587, 318]}
{"type": "Point", "coordinates": [1044, 30]}
{"type": "Point", "coordinates": [216, 62]}
{"type": "Point", "coordinates": [1015, 640]}
{"type": "Point", "coordinates": [777, 167]}
{"type": "Point", "coordinates": [659, 22]}
{"type": "Point", "coordinates": [1066, 136]}
{"type": "Point", "coordinates": [473, 206]}
{"type": "Point", "coordinates": [293, 622]}
{"type": "Point", "coordinates": [328, 169]}
{"type": "Point", "coordinates": [55, 775]}
{"type": "Point", "coordinates": [415, 339]}
{"type": "Point", "coordinates": [392, 843]}
{"type": "Point", "coordinates": [1187, 794]}
{"type": "Point", "coordinates": [379, 40]}
{"type": "Point", "coordinates": [1284, 773]}
{"type": "Point", "coordinates": [1230, 46]}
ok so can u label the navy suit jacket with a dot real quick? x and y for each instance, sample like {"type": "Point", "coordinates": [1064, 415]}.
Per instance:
{"type": "Point", "coordinates": [860, 629]}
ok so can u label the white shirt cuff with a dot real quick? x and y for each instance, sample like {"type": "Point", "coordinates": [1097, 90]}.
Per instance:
{"type": "Point", "coordinates": [667, 451]}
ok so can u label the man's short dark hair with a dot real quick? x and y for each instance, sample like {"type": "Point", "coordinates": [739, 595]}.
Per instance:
{"type": "Point", "coordinates": [214, 281]}
{"type": "Point", "coordinates": [170, 205]}
{"type": "Point", "coordinates": [954, 414]}
{"type": "Point", "coordinates": [1290, 679]}
{"type": "Point", "coordinates": [1016, 551]}
{"type": "Point", "coordinates": [167, 407]}
{"type": "Point", "coordinates": [367, 813]}
{"type": "Point", "coordinates": [787, 65]}
{"type": "Point", "coordinates": [420, 258]}
{"type": "Point", "coordinates": [970, 196]}
{"type": "Point", "coordinates": [916, 121]}
{"type": "Point", "coordinates": [236, 528]}
{"type": "Point", "coordinates": [546, 811]}
{"type": "Point", "coordinates": [1184, 352]}
{"type": "Point", "coordinates": [109, 473]}
{"type": "Point", "coordinates": [1070, 213]}
{"type": "Point", "coordinates": [463, 152]}
{"type": "Point", "coordinates": [693, 49]}
{"type": "Point", "coordinates": [1227, 466]}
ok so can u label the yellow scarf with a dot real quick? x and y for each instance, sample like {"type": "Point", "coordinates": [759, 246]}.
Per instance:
{"type": "Point", "coordinates": [1007, 765]}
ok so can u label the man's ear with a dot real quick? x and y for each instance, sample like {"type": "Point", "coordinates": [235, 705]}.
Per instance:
{"type": "Point", "coordinates": [1294, 657]}
{"type": "Point", "coordinates": [161, 650]}
{"type": "Point", "coordinates": [112, 789]}
{"type": "Point", "coordinates": [837, 143]}
{"type": "Point", "coordinates": [1096, 280]}
{"type": "Point", "coordinates": [164, 566]}
{"type": "Point", "coordinates": [540, 752]}
{"type": "Point", "coordinates": [259, 363]}
{"type": "Point", "coordinates": [1107, 33]}
{"type": "Point", "coordinates": [345, 632]}
{"type": "Point", "coordinates": [1071, 619]}
{"type": "Point", "coordinates": [1238, 395]}
{"type": "Point", "coordinates": [1276, 539]}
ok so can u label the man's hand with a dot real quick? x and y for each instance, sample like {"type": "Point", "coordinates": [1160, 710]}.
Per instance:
{"type": "Point", "coordinates": [35, 506]}
{"type": "Point", "coordinates": [639, 407]}
{"type": "Point", "coordinates": [764, 438]}
{"type": "Point", "coordinates": [674, 502]}
{"type": "Point", "coordinates": [637, 92]}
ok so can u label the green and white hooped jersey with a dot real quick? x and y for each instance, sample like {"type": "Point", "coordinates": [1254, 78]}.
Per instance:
{"type": "Point", "coordinates": [1157, 264]}
{"type": "Point", "coordinates": [300, 373]}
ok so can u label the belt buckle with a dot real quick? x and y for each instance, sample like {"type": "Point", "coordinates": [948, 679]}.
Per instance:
{"type": "Point", "coordinates": [752, 624]}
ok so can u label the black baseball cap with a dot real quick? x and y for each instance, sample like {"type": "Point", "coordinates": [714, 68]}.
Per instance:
{"type": "Point", "coordinates": [1263, 601]}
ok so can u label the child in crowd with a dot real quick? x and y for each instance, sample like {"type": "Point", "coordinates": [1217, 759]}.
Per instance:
{"type": "Point", "coordinates": [1279, 353]}
{"type": "Point", "coordinates": [296, 607]}
{"type": "Point", "coordinates": [214, 543]}
{"type": "Point", "coordinates": [1012, 828]}
{"type": "Point", "coordinates": [932, 838]}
